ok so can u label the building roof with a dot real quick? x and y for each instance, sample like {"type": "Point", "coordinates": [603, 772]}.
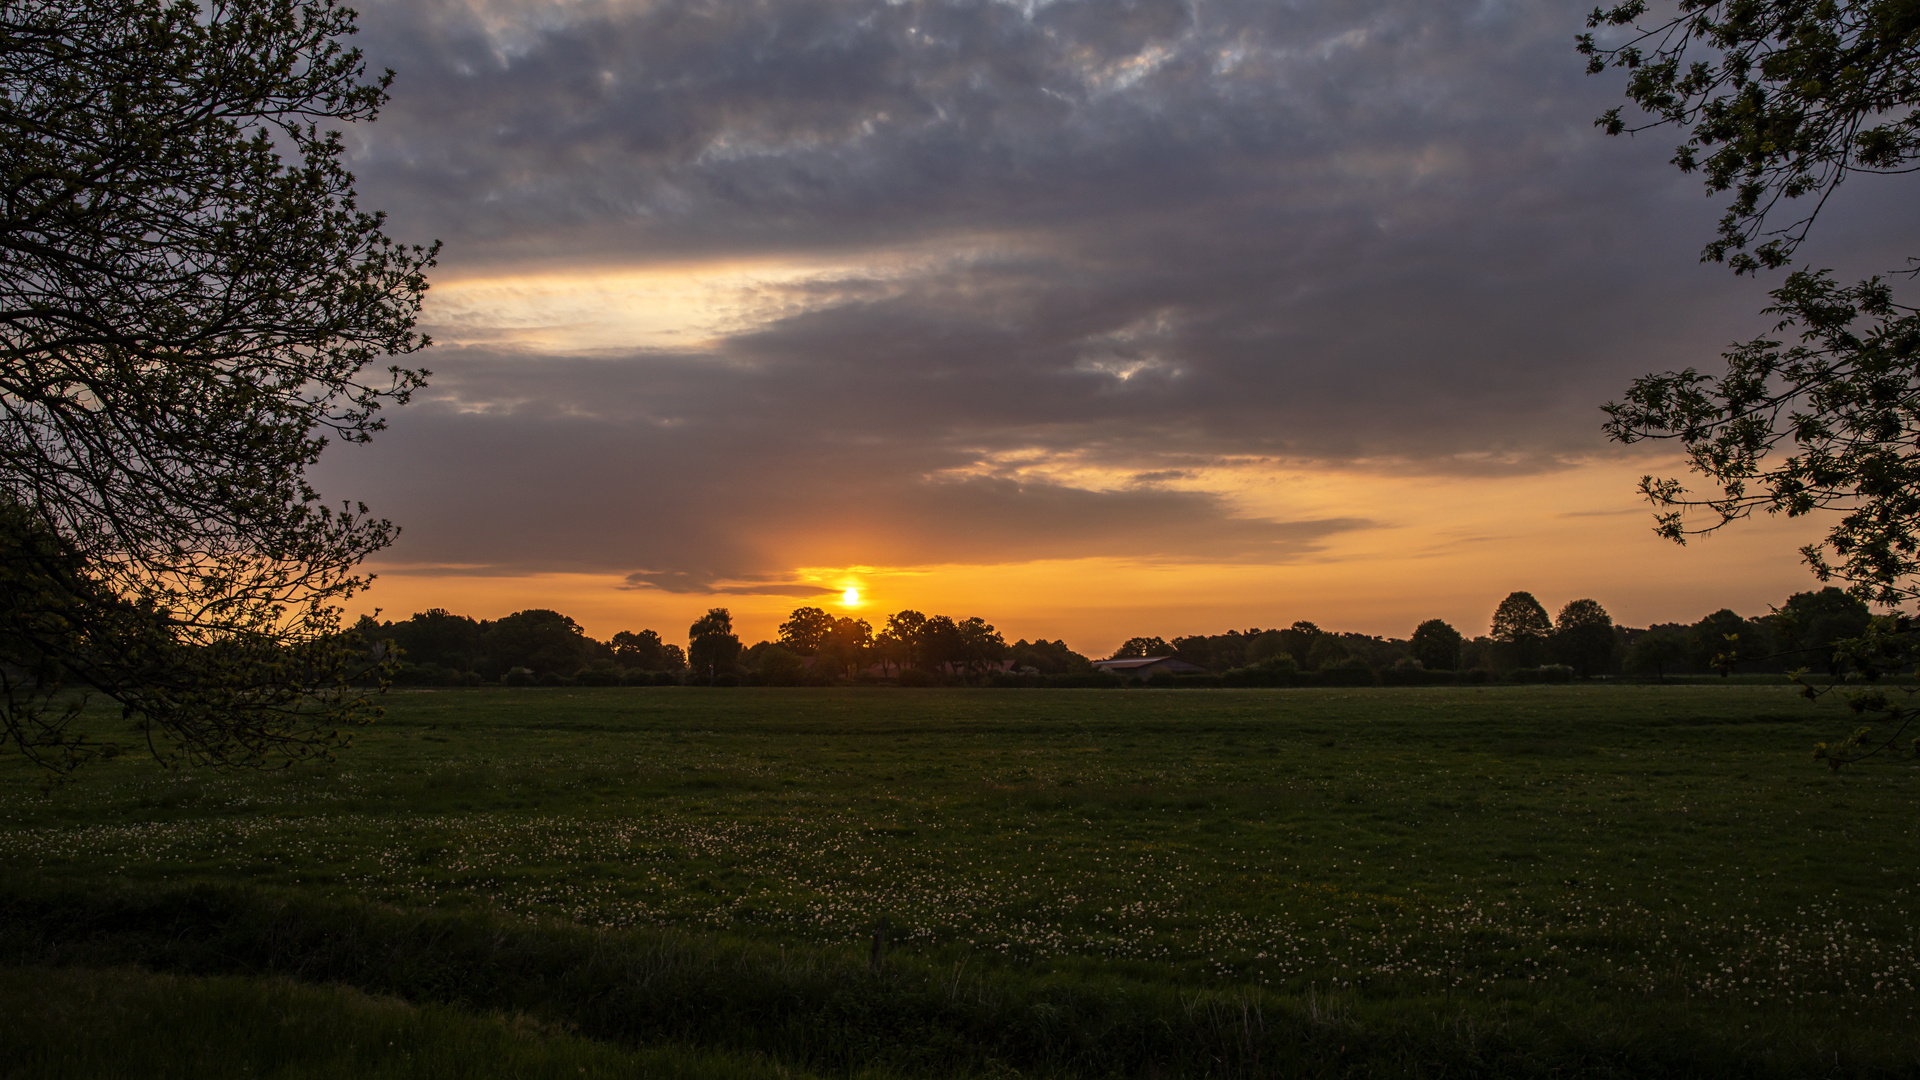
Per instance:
{"type": "Point", "coordinates": [1168, 663]}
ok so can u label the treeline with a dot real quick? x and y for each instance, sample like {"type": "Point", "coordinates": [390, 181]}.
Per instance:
{"type": "Point", "coordinates": [814, 647]}
{"type": "Point", "coordinates": [525, 648]}
{"type": "Point", "coordinates": [539, 647]}
{"type": "Point", "coordinates": [1523, 643]}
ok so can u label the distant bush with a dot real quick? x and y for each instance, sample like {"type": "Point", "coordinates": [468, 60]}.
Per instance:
{"type": "Point", "coordinates": [1545, 673]}
{"type": "Point", "coordinates": [549, 678]}
{"type": "Point", "coordinates": [1185, 682]}
{"type": "Point", "coordinates": [1480, 675]}
{"type": "Point", "coordinates": [597, 677]}
{"type": "Point", "coordinates": [411, 674]}
{"type": "Point", "coordinates": [778, 665]}
{"type": "Point", "coordinates": [1418, 676]}
{"type": "Point", "coordinates": [517, 677]}
{"type": "Point", "coordinates": [920, 677]}
{"type": "Point", "coordinates": [1081, 680]}
{"type": "Point", "coordinates": [1085, 680]}
{"type": "Point", "coordinates": [1260, 675]}
{"type": "Point", "coordinates": [1348, 672]}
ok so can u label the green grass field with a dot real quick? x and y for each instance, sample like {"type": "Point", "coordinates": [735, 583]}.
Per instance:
{"type": "Point", "coordinates": [1611, 880]}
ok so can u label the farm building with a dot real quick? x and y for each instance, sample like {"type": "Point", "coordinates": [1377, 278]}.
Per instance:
{"type": "Point", "coordinates": [1148, 666]}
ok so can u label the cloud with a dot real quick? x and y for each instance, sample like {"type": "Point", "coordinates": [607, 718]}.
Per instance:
{"type": "Point", "coordinates": [691, 490]}
{"type": "Point", "coordinates": [735, 288]}
{"type": "Point", "coordinates": [683, 582]}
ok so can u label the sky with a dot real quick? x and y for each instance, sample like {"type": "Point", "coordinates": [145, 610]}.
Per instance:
{"type": "Point", "coordinates": [1093, 318]}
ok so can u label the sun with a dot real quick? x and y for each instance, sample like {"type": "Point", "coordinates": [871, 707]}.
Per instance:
{"type": "Point", "coordinates": [850, 598]}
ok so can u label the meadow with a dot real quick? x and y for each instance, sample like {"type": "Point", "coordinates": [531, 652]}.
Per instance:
{"type": "Point", "coordinates": [1532, 880]}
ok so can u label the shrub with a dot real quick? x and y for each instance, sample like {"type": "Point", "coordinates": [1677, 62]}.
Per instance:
{"type": "Point", "coordinates": [517, 677]}
{"type": "Point", "coordinates": [778, 665]}
{"type": "Point", "coordinates": [1086, 680]}
{"type": "Point", "coordinates": [1418, 676]}
{"type": "Point", "coordinates": [1352, 671]}
{"type": "Point", "coordinates": [597, 677]}
{"type": "Point", "coordinates": [1261, 675]}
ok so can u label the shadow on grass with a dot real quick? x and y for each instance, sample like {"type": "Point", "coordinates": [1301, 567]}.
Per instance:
{"type": "Point", "coordinates": [827, 1011]}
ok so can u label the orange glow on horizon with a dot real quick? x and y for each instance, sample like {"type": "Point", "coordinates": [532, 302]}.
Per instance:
{"type": "Point", "coordinates": [1447, 548]}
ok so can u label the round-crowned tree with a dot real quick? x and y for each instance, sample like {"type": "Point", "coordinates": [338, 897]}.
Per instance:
{"type": "Point", "coordinates": [1521, 625]}
{"type": "Point", "coordinates": [1436, 644]}
{"type": "Point", "coordinates": [1583, 638]}
{"type": "Point", "coordinates": [712, 648]}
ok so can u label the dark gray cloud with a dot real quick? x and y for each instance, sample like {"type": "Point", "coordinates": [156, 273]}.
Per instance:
{"type": "Point", "coordinates": [646, 468]}
{"type": "Point", "coordinates": [1152, 236]}
{"type": "Point", "coordinates": [653, 127]}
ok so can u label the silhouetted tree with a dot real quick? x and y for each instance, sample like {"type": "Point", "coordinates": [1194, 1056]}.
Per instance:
{"type": "Point", "coordinates": [438, 637]}
{"type": "Point", "coordinates": [981, 646]}
{"type": "Point", "coordinates": [712, 648]}
{"type": "Point", "coordinates": [1298, 641]}
{"type": "Point", "coordinates": [775, 665]}
{"type": "Point", "coordinates": [544, 641]}
{"type": "Point", "coordinates": [805, 630]}
{"type": "Point", "coordinates": [905, 627]}
{"type": "Point", "coordinates": [641, 651]}
{"type": "Point", "coordinates": [940, 645]}
{"type": "Point", "coordinates": [1049, 657]}
{"type": "Point", "coordinates": [1215, 652]}
{"type": "Point", "coordinates": [1327, 650]}
{"type": "Point", "coordinates": [1436, 645]}
{"type": "Point", "coordinates": [1141, 647]}
{"type": "Point", "coordinates": [1583, 638]}
{"type": "Point", "coordinates": [1781, 100]}
{"type": "Point", "coordinates": [1658, 650]}
{"type": "Point", "coordinates": [1812, 624]}
{"type": "Point", "coordinates": [843, 650]}
{"type": "Point", "coordinates": [1521, 624]}
{"type": "Point", "coordinates": [889, 652]}
{"type": "Point", "coordinates": [1718, 643]}
{"type": "Point", "coordinates": [1260, 646]}
{"type": "Point", "coordinates": [192, 300]}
